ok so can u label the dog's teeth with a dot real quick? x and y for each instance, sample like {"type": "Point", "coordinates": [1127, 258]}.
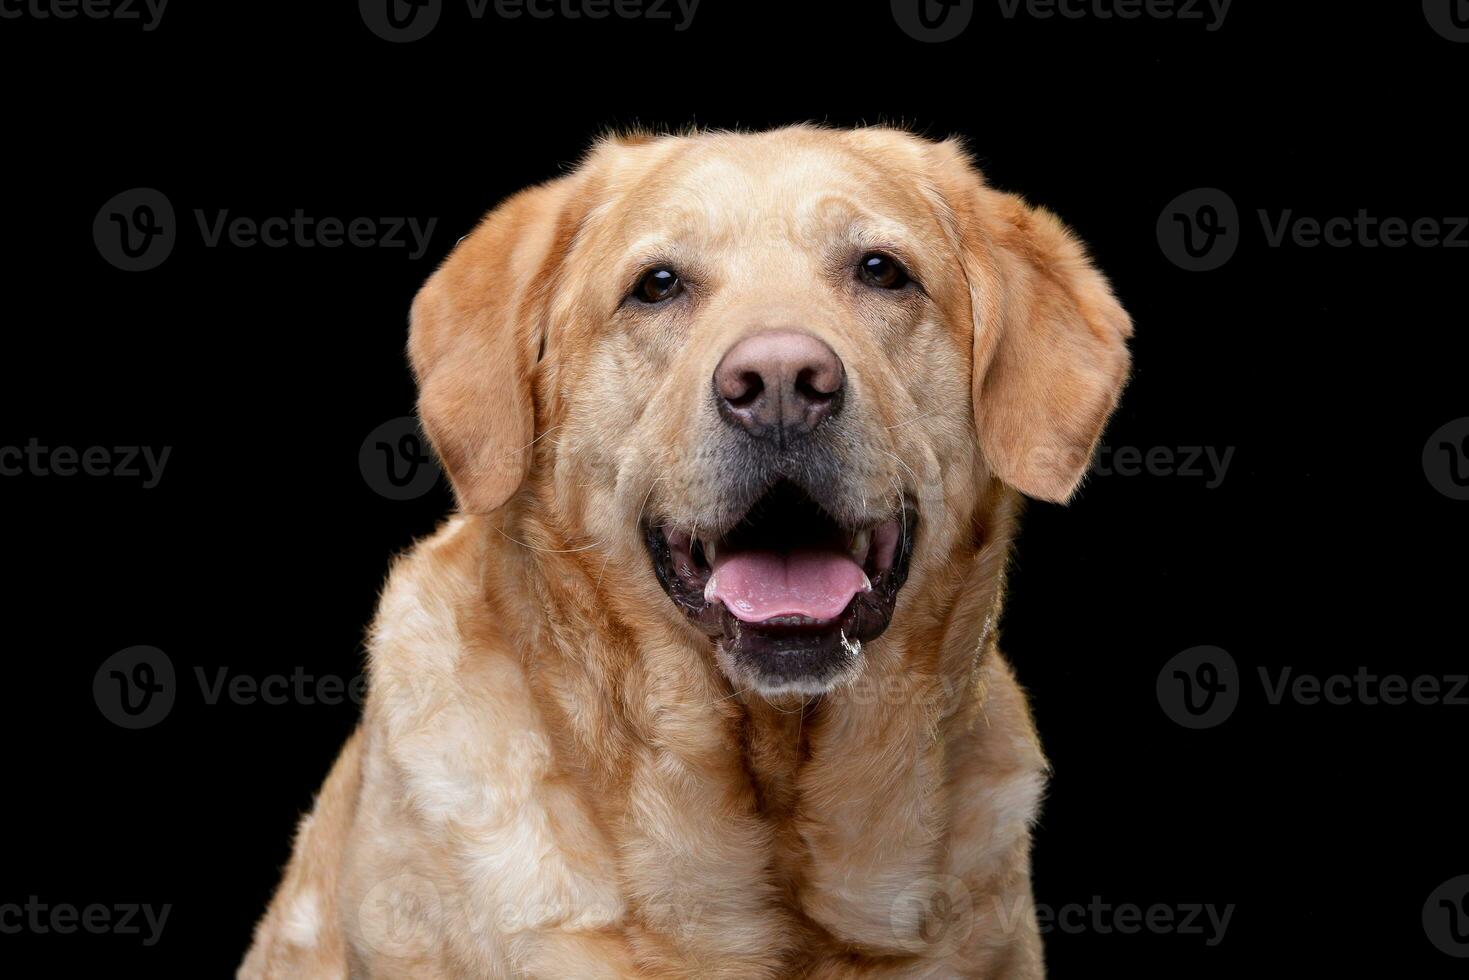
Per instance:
{"type": "Point", "coordinates": [709, 589]}
{"type": "Point", "coordinates": [861, 542]}
{"type": "Point", "coordinates": [708, 552]}
{"type": "Point", "coordinates": [866, 583]}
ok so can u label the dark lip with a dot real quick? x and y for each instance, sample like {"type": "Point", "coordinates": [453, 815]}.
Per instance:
{"type": "Point", "coordinates": [864, 619]}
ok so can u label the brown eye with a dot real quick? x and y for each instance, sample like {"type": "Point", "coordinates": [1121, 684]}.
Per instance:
{"type": "Point", "coordinates": [882, 271]}
{"type": "Point", "coordinates": [658, 285]}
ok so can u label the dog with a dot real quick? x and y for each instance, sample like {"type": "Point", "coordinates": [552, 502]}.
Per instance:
{"type": "Point", "coordinates": [702, 678]}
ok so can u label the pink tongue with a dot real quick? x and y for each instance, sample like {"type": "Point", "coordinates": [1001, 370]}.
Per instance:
{"type": "Point", "coordinates": [760, 585]}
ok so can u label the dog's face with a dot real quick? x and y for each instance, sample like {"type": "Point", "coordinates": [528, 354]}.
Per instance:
{"type": "Point", "coordinates": [771, 373]}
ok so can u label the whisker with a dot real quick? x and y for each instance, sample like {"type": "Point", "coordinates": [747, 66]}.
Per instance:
{"type": "Point", "coordinates": [902, 517]}
{"type": "Point", "coordinates": [898, 490]}
{"type": "Point", "coordinates": [535, 440]}
{"type": "Point", "coordinates": [781, 711]}
{"type": "Point", "coordinates": [636, 522]}
{"type": "Point", "coordinates": [547, 551]}
{"type": "Point", "coordinates": [916, 482]}
{"type": "Point", "coordinates": [916, 418]}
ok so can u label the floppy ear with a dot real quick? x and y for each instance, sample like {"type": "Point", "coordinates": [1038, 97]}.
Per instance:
{"type": "Point", "coordinates": [477, 328]}
{"type": "Point", "coordinates": [1050, 339]}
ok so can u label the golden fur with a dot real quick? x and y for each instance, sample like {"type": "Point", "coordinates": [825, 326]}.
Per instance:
{"type": "Point", "coordinates": [553, 777]}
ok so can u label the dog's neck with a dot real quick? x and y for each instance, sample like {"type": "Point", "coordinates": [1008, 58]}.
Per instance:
{"type": "Point", "coordinates": [769, 798]}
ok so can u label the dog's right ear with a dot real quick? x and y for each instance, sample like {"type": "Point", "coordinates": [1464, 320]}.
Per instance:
{"type": "Point", "coordinates": [477, 329]}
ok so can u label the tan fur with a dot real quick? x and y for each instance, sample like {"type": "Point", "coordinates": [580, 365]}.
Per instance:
{"type": "Point", "coordinates": [554, 777]}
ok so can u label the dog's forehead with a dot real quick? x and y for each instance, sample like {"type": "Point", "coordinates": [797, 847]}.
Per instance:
{"type": "Point", "coordinates": [799, 189]}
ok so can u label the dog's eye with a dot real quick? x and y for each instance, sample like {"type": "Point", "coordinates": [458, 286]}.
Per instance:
{"type": "Point", "coordinates": [658, 285]}
{"type": "Point", "coordinates": [882, 271]}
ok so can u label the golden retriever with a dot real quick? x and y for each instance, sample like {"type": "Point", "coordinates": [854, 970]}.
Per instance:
{"type": "Point", "coordinates": [702, 681]}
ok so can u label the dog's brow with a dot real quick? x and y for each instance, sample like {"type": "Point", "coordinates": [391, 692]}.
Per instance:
{"type": "Point", "coordinates": [652, 247]}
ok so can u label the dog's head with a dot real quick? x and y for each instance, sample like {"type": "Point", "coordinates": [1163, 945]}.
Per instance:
{"type": "Point", "coordinates": [769, 372]}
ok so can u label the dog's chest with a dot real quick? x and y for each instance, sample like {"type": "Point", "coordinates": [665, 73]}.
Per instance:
{"type": "Point", "coordinates": [802, 840]}
{"type": "Point", "coordinates": [752, 859]}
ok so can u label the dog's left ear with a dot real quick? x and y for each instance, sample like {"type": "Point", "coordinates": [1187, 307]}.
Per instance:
{"type": "Point", "coordinates": [1050, 339]}
{"type": "Point", "coordinates": [477, 327]}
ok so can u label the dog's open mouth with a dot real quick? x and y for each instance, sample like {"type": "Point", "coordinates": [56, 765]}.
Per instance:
{"type": "Point", "coordinates": [789, 591]}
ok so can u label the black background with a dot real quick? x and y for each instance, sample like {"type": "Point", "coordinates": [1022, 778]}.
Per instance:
{"type": "Point", "coordinates": [1324, 548]}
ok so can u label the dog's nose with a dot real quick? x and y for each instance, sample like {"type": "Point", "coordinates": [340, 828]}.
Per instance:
{"type": "Point", "coordinates": [779, 383]}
